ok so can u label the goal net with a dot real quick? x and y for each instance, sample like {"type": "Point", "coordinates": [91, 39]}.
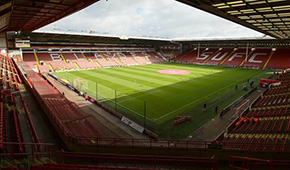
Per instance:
{"type": "Point", "coordinates": [80, 84]}
{"type": "Point", "coordinates": [240, 109]}
{"type": "Point", "coordinates": [252, 66]}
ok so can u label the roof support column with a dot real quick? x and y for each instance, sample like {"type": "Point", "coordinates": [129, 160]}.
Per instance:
{"type": "Point", "coordinates": [198, 50]}
{"type": "Point", "coordinates": [3, 42]}
{"type": "Point", "coordinates": [247, 51]}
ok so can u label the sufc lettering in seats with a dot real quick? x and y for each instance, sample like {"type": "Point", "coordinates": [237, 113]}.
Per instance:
{"type": "Point", "coordinates": [252, 59]}
{"type": "Point", "coordinates": [55, 57]}
{"type": "Point", "coordinates": [204, 55]}
{"type": "Point", "coordinates": [219, 56]}
{"type": "Point", "coordinates": [236, 55]}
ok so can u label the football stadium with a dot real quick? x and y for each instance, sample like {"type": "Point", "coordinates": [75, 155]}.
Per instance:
{"type": "Point", "coordinates": [73, 100]}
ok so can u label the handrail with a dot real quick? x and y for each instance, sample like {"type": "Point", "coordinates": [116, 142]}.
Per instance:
{"type": "Point", "coordinates": [47, 149]}
{"type": "Point", "coordinates": [139, 160]}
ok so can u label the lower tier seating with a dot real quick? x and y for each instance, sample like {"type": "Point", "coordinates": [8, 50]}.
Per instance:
{"type": "Point", "coordinates": [238, 57]}
{"type": "Point", "coordinates": [73, 122]}
{"type": "Point", "coordinates": [255, 143]}
{"type": "Point", "coordinates": [56, 61]}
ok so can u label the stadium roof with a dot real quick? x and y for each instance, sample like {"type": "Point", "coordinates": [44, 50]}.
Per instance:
{"type": "Point", "coordinates": [271, 17]}
{"type": "Point", "coordinates": [86, 39]}
{"type": "Point", "coordinates": [29, 15]}
{"type": "Point", "coordinates": [78, 38]}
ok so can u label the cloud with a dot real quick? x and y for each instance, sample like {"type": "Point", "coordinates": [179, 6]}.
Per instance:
{"type": "Point", "coordinates": [167, 18]}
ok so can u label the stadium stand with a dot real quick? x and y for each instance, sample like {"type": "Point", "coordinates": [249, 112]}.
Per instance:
{"type": "Point", "coordinates": [169, 53]}
{"type": "Point", "coordinates": [236, 162]}
{"type": "Point", "coordinates": [257, 58]}
{"type": "Point", "coordinates": [89, 56]}
{"type": "Point", "coordinates": [117, 161]}
{"type": "Point", "coordinates": [219, 57]}
{"type": "Point", "coordinates": [235, 59]}
{"type": "Point", "coordinates": [12, 107]}
{"type": "Point", "coordinates": [69, 119]}
{"type": "Point", "coordinates": [261, 130]}
{"type": "Point", "coordinates": [143, 161]}
{"type": "Point", "coordinates": [128, 59]}
{"type": "Point", "coordinates": [107, 59]}
{"type": "Point", "coordinates": [264, 127]}
{"type": "Point", "coordinates": [142, 58]}
{"type": "Point", "coordinates": [280, 59]}
{"type": "Point", "coordinates": [204, 54]}
{"type": "Point", "coordinates": [154, 57]}
{"type": "Point", "coordinates": [187, 56]}
{"type": "Point", "coordinates": [91, 60]}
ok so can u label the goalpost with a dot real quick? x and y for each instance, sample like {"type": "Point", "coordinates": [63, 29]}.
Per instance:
{"type": "Point", "coordinates": [252, 66]}
{"type": "Point", "coordinates": [80, 84]}
{"type": "Point", "coordinates": [240, 109]}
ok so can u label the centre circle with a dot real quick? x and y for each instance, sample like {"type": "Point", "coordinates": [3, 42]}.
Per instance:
{"type": "Point", "coordinates": [174, 72]}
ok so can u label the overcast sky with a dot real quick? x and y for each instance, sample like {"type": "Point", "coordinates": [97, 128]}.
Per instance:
{"type": "Point", "coordinates": [163, 18]}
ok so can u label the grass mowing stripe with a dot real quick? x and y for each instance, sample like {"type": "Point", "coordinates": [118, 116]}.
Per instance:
{"type": "Point", "coordinates": [149, 81]}
{"type": "Point", "coordinates": [163, 93]}
{"type": "Point", "coordinates": [160, 95]}
{"type": "Point", "coordinates": [190, 67]}
{"type": "Point", "coordinates": [104, 78]}
{"type": "Point", "coordinates": [192, 70]}
{"type": "Point", "coordinates": [118, 82]}
{"type": "Point", "coordinates": [148, 72]}
{"type": "Point", "coordinates": [178, 77]}
{"type": "Point", "coordinates": [157, 77]}
{"type": "Point", "coordinates": [204, 97]}
{"type": "Point", "coordinates": [203, 81]}
{"type": "Point", "coordinates": [126, 77]}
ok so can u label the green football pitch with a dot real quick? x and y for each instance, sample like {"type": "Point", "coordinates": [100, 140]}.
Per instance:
{"type": "Point", "coordinates": [142, 91]}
